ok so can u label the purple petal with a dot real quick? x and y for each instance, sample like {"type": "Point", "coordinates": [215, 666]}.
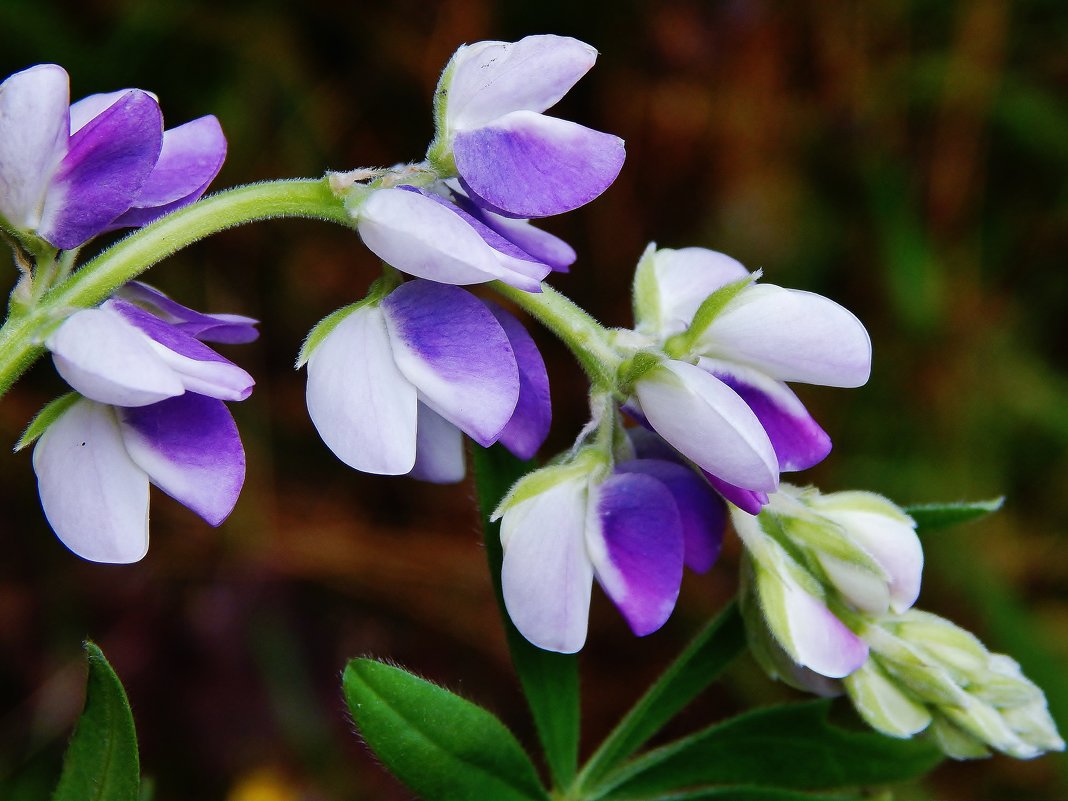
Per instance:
{"type": "Point", "coordinates": [202, 370]}
{"type": "Point", "coordinates": [490, 79]}
{"type": "Point", "coordinates": [229, 329]}
{"type": "Point", "coordinates": [439, 453]}
{"type": "Point", "coordinates": [447, 344]}
{"type": "Point", "coordinates": [530, 422]}
{"type": "Point", "coordinates": [637, 549]}
{"type": "Point", "coordinates": [798, 440]}
{"type": "Point", "coordinates": [103, 171]}
{"type": "Point", "coordinates": [94, 496]}
{"type": "Point", "coordinates": [419, 234]}
{"type": "Point", "coordinates": [190, 448]}
{"type": "Point", "coordinates": [702, 513]}
{"type": "Point", "coordinates": [529, 165]}
{"type": "Point", "coordinates": [83, 111]}
{"type": "Point", "coordinates": [749, 501]}
{"type": "Point", "coordinates": [650, 445]}
{"type": "Point", "coordinates": [34, 129]}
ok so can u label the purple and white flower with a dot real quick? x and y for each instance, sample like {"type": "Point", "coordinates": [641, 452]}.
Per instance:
{"type": "Point", "coordinates": [95, 462]}
{"type": "Point", "coordinates": [71, 171]}
{"type": "Point", "coordinates": [748, 341]}
{"type": "Point", "coordinates": [151, 411]}
{"type": "Point", "coordinates": [393, 383]}
{"type": "Point", "coordinates": [633, 531]}
{"type": "Point", "coordinates": [510, 158]}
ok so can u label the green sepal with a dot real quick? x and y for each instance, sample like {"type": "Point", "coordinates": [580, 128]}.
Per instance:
{"type": "Point", "coordinates": [934, 516]}
{"type": "Point", "coordinates": [442, 746]}
{"type": "Point", "coordinates": [587, 462]}
{"type": "Point", "coordinates": [389, 281]}
{"type": "Point", "coordinates": [51, 412]}
{"type": "Point", "coordinates": [634, 368]}
{"type": "Point", "coordinates": [790, 747]}
{"type": "Point", "coordinates": [646, 292]}
{"type": "Point", "coordinates": [439, 153]}
{"type": "Point", "coordinates": [550, 680]}
{"type": "Point", "coordinates": [101, 763]}
{"type": "Point", "coordinates": [711, 307]}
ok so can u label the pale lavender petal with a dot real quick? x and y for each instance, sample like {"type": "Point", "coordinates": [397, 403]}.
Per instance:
{"type": "Point", "coordinates": [530, 422]}
{"type": "Point", "coordinates": [490, 79]}
{"type": "Point", "coordinates": [820, 641]}
{"type": "Point", "coordinates": [190, 449]}
{"type": "Point", "coordinates": [702, 513]}
{"type": "Point", "coordinates": [108, 360]}
{"type": "Point", "coordinates": [90, 106]}
{"type": "Point", "coordinates": [439, 453]}
{"type": "Point", "coordinates": [635, 541]}
{"type": "Point", "coordinates": [791, 336]}
{"type": "Point", "coordinates": [799, 441]}
{"type": "Point", "coordinates": [191, 156]}
{"type": "Point", "coordinates": [708, 423]}
{"type": "Point", "coordinates": [420, 236]}
{"type": "Point", "coordinates": [361, 405]}
{"type": "Point", "coordinates": [650, 445]}
{"type": "Point", "coordinates": [450, 347]}
{"type": "Point", "coordinates": [749, 501]}
{"type": "Point", "coordinates": [106, 166]}
{"type": "Point", "coordinates": [529, 165]}
{"type": "Point", "coordinates": [229, 329]}
{"type": "Point", "coordinates": [200, 369]}
{"type": "Point", "coordinates": [546, 578]}
{"type": "Point", "coordinates": [94, 496]}
{"type": "Point", "coordinates": [34, 129]}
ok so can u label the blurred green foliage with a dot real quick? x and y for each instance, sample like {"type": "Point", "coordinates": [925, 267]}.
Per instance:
{"type": "Point", "coordinates": [908, 159]}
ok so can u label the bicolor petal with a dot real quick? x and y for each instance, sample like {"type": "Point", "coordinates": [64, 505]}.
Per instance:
{"type": "Point", "coordinates": [525, 164]}
{"type": "Point", "coordinates": [798, 440]}
{"type": "Point", "coordinates": [449, 346]}
{"type": "Point", "coordinates": [94, 496]}
{"type": "Point", "coordinates": [362, 406]}
{"type": "Point", "coordinates": [107, 163]}
{"type": "Point", "coordinates": [541, 245]}
{"type": "Point", "coordinates": [230, 329]}
{"type": "Point", "coordinates": [547, 577]}
{"type": "Point", "coordinates": [34, 128]}
{"type": "Point", "coordinates": [108, 360]}
{"type": "Point", "coordinates": [702, 515]}
{"type": "Point", "coordinates": [189, 448]}
{"type": "Point", "coordinates": [491, 79]}
{"type": "Point", "coordinates": [749, 501]}
{"type": "Point", "coordinates": [791, 336]}
{"type": "Point", "coordinates": [191, 156]}
{"type": "Point", "coordinates": [418, 235]}
{"type": "Point", "coordinates": [530, 421]}
{"type": "Point", "coordinates": [708, 423]}
{"type": "Point", "coordinates": [635, 542]}
{"type": "Point", "coordinates": [439, 451]}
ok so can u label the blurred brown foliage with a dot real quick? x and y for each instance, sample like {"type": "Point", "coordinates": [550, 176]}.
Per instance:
{"type": "Point", "coordinates": [907, 159]}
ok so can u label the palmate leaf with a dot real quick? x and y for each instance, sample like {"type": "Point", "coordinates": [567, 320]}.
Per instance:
{"type": "Point", "coordinates": [550, 680]}
{"type": "Point", "coordinates": [101, 763]}
{"type": "Point", "coordinates": [791, 747]}
{"type": "Point", "coordinates": [443, 747]}
{"type": "Point", "coordinates": [934, 516]}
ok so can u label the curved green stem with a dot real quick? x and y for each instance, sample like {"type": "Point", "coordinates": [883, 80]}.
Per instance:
{"type": "Point", "coordinates": [21, 337]}
{"type": "Point", "coordinates": [583, 335]}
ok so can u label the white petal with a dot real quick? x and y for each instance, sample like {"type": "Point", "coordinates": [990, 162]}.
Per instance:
{"type": "Point", "coordinates": [491, 79]}
{"type": "Point", "coordinates": [361, 405]}
{"type": "Point", "coordinates": [439, 455]}
{"type": "Point", "coordinates": [33, 140]}
{"type": "Point", "coordinates": [707, 422]}
{"type": "Point", "coordinates": [94, 496]}
{"type": "Point", "coordinates": [685, 278]}
{"type": "Point", "coordinates": [110, 361]}
{"type": "Point", "coordinates": [895, 546]}
{"type": "Point", "coordinates": [547, 576]}
{"type": "Point", "coordinates": [792, 336]}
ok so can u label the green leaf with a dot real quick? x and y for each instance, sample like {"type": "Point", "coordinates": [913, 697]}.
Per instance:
{"type": "Point", "coordinates": [934, 516]}
{"type": "Point", "coordinates": [443, 747]}
{"type": "Point", "coordinates": [550, 680]}
{"type": "Point", "coordinates": [101, 762]}
{"type": "Point", "coordinates": [789, 747]}
{"type": "Point", "coordinates": [52, 411]}
{"type": "Point", "coordinates": [758, 794]}
{"type": "Point", "coordinates": [721, 641]}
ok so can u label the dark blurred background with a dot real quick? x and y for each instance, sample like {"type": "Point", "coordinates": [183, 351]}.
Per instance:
{"type": "Point", "coordinates": [906, 159]}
